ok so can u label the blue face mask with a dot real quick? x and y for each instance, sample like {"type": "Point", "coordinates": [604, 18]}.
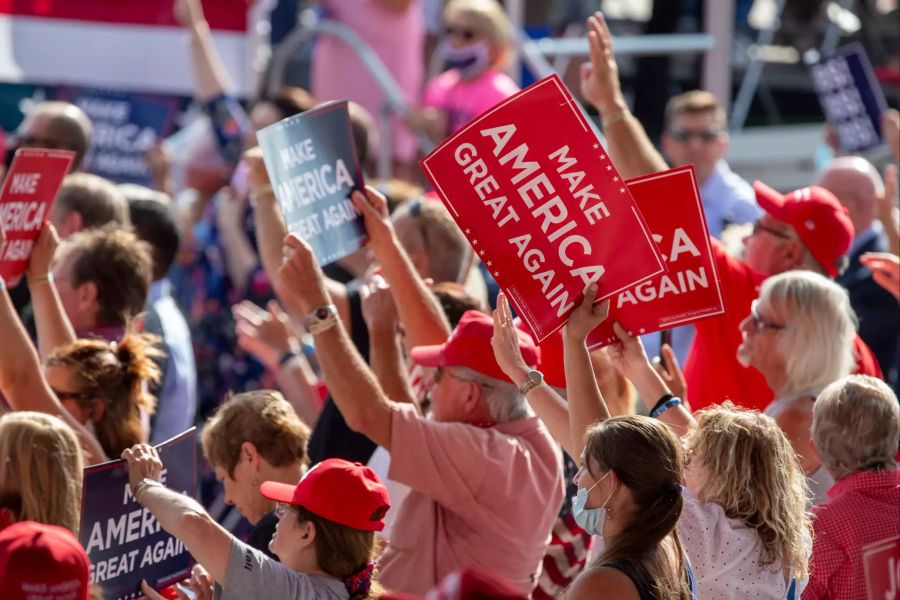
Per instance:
{"type": "Point", "coordinates": [589, 519]}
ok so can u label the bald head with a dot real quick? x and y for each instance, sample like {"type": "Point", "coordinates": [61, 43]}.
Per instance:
{"type": "Point", "coordinates": [857, 184]}
{"type": "Point", "coordinates": [58, 125]}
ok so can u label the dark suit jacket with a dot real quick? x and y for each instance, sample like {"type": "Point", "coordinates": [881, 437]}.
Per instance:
{"type": "Point", "coordinates": [877, 310]}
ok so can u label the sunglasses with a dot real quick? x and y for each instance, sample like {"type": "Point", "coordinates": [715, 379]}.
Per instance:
{"type": "Point", "coordinates": [74, 396]}
{"type": "Point", "coordinates": [759, 323]}
{"type": "Point", "coordinates": [757, 227]}
{"type": "Point", "coordinates": [685, 135]}
{"type": "Point", "coordinates": [460, 32]}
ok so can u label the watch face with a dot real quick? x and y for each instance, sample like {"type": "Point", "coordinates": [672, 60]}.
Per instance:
{"type": "Point", "coordinates": [535, 376]}
{"type": "Point", "coordinates": [322, 313]}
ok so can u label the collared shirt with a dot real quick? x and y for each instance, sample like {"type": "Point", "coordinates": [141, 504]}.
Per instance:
{"type": "Point", "coordinates": [727, 198]}
{"type": "Point", "coordinates": [480, 497]}
{"type": "Point", "coordinates": [177, 402]}
{"type": "Point", "coordinates": [863, 509]}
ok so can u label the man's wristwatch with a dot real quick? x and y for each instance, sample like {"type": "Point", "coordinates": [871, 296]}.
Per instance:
{"type": "Point", "coordinates": [532, 380]}
{"type": "Point", "coordinates": [321, 319]}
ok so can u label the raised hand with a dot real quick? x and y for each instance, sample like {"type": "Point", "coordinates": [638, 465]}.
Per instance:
{"type": "Point", "coordinates": [586, 315]}
{"type": "Point", "coordinates": [378, 307]}
{"type": "Point", "coordinates": [300, 280]}
{"type": "Point", "coordinates": [266, 334]}
{"type": "Point", "coordinates": [505, 342]}
{"type": "Point", "coordinates": [628, 355]}
{"type": "Point", "coordinates": [143, 463]}
{"type": "Point", "coordinates": [600, 77]}
{"type": "Point", "coordinates": [373, 207]}
{"type": "Point", "coordinates": [885, 269]}
{"type": "Point", "coordinates": [41, 258]}
{"type": "Point", "coordinates": [671, 373]}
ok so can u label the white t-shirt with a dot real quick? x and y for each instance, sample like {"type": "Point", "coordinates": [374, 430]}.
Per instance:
{"type": "Point", "coordinates": [725, 555]}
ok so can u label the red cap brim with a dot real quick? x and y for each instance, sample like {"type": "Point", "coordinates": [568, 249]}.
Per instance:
{"type": "Point", "coordinates": [279, 492]}
{"type": "Point", "coordinates": [770, 200]}
{"type": "Point", "coordinates": [429, 356]}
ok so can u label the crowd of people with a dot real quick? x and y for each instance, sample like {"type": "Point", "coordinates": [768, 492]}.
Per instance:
{"type": "Point", "coordinates": [385, 425]}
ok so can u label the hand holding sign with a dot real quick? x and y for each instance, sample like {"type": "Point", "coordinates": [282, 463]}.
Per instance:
{"type": "Point", "coordinates": [42, 254]}
{"type": "Point", "coordinates": [302, 282]}
{"type": "Point", "coordinates": [373, 207]}
{"type": "Point", "coordinates": [586, 316]}
{"type": "Point", "coordinates": [143, 463]}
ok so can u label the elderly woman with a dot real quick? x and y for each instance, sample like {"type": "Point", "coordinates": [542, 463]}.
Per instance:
{"type": "Point", "coordinates": [255, 437]}
{"type": "Point", "coordinates": [856, 430]}
{"type": "Point", "coordinates": [799, 335]}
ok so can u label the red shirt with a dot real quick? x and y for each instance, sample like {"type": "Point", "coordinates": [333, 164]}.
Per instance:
{"type": "Point", "coordinates": [712, 370]}
{"type": "Point", "coordinates": [862, 515]}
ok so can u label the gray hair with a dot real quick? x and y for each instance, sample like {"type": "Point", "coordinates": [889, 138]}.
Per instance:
{"type": "Point", "coordinates": [817, 344]}
{"type": "Point", "coordinates": [503, 399]}
{"type": "Point", "coordinates": [856, 426]}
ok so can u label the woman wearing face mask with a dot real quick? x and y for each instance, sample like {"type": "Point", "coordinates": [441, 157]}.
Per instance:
{"type": "Point", "coordinates": [475, 48]}
{"type": "Point", "coordinates": [630, 480]}
{"type": "Point", "coordinates": [325, 537]}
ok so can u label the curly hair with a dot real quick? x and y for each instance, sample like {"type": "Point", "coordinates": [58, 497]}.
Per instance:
{"type": "Point", "coordinates": [755, 477]}
{"type": "Point", "coordinates": [117, 374]}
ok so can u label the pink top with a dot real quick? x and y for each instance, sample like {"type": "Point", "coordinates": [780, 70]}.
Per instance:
{"type": "Point", "coordinates": [480, 497]}
{"type": "Point", "coordinates": [462, 101]}
{"type": "Point", "coordinates": [396, 37]}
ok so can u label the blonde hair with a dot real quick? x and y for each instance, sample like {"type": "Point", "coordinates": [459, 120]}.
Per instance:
{"type": "Point", "coordinates": [694, 102]}
{"type": "Point", "coordinates": [41, 464]}
{"type": "Point", "coordinates": [754, 475]}
{"type": "Point", "coordinates": [817, 344]}
{"type": "Point", "coordinates": [491, 21]}
{"type": "Point", "coordinates": [116, 374]}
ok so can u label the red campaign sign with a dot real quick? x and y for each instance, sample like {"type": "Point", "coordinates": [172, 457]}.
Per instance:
{"type": "Point", "coordinates": [540, 201]}
{"type": "Point", "coordinates": [31, 184]}
{"type": "Point", "coordinates": [690, 289]}
{"type": "Point", "coordinates": [881, 565]}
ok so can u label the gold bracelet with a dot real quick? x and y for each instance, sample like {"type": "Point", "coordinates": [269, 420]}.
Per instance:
{"type": "Point", "coordinates": [608, 120]}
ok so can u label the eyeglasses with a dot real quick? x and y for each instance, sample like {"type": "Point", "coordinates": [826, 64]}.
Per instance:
{"type": "Point", "coordinates": [282, 508]}
{"type": "Point", "coordinates": [74, 396]}
{"type": "Point", "coordinates": [759, 323]}
{"type": "Point", "coordinates": [461, 32]}
{"type": "Point", "coordinates": [685, 135]}
{"type": "Point", "coordinates": [757, 227]}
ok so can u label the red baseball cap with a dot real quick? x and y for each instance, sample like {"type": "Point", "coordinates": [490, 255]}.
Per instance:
{"type": "Point", "coordinates": [820, 220]}
{"type": "Point", "coordinates": [40, 560]}
{"type": "Point", "coordinates": [470, 346]}
{"type": "Point", "coordinates": [338, 490]}
{"type": "Point", "coordinates": [550, 356]}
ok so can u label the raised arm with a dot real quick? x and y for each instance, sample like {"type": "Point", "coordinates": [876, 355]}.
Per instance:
{"type": "Point", "coordinates": [627, 143]}
{"type": "Point", "coordinates": [549, 406]}
{"type": "Point", "coordinates": [210, 77]}
{"type": "Point", "coordinates": [586, 404]}
{"type": "Point", "coordinates": [385, 356]}
{"type": "Point", "coordinates": [21, 381]}
{"type": "Point", "coordinates": [420, 312]}
{"type": "Point", "coordinates": [180, 515]}
{"type": "Point", "coordinates": [630, 359]}
{"type": "Point", "coordinates": [54, 329]}
{"type": "Point", "coordinates": [353, 386]}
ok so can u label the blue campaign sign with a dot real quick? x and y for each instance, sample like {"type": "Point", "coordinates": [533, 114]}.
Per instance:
{"type": "Point", "coordinates": [126, 125]}
{"type": "Point", "coordinates": [312, 163]}
{"type": "Point", "coordinates": [124, 541]}
{"type": "Point", "coordinates": [851, 97]}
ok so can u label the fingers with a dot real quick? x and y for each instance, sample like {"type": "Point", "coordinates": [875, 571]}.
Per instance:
{"type": "Point", "coordinates": [890, 183]}
{"type": "Point", "coordinates": [602, 309]}
{"type": "Point", "coordinates": [276, 311]}
{"type": "Point", "coordinates": [377, 200]}
{"type": "Point", "coordinates": [671, 359]}
{"type": "Point", "coordinates": [249, 312]}
{"type": "Point", "coordinates": [621, 333]}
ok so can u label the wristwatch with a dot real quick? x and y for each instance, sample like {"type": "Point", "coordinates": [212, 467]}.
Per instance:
{"type": "Point", "coordinates": [321, 319]}
{"type": "Point", "coordinates": [532, 380]}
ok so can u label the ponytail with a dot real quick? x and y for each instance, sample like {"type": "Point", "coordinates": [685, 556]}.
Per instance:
{"type": "Point", "coordinates": [117, 374]}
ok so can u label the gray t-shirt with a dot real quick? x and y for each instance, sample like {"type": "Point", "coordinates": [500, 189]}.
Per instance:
{"type": "Point", "coordinates": [252, 574]}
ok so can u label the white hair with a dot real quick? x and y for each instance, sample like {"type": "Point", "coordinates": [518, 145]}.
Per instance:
{"type": "Point", "coordinates": [817, 344]}
{"type": "Point", "coordinates": [503, 399]}
{"type": "Point", "coordinates": [856, 426]}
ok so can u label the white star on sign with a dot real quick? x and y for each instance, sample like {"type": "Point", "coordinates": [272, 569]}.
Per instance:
{"type": "Point", "coordinates": [642, 330]}
{"type": "Point", "coordinates": [474, 242]}
{"type": "Point", "coordinates": [489, 263]}
{"type": "Point", "coordinates": [596, 146]}
{"type": "Point", "coordinates": [481, 252]}
{"type": "Point", "coordinates": [615, 178]}
{"type": "Point", "coordinates": [602, 157]}
{"type": "Point", "coordinates": [468, 231]}
{"type": "Point", "coordinates": [609, 167]}
{"type": "Point", "coordinates": [622, 190]}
